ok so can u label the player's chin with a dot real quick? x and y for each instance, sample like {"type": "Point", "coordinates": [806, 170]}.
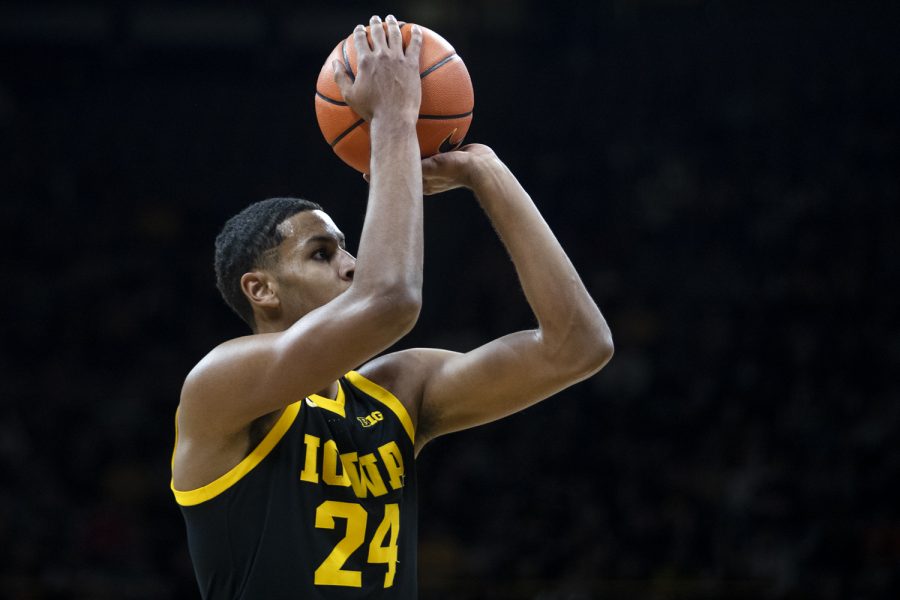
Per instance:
{"type": "Point", "coordinates": [342, 289]}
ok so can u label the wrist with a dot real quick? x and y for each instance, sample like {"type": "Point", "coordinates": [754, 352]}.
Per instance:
{"type": "Point", "coordinates": [394, 119]}
{"type": "Point", "coordinates": [484, 173]}
{"type": "Point", "coordinates": [390, 135]}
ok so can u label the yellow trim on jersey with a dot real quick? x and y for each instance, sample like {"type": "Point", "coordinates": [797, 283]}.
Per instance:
{"type": "Point", "coordinates": [385, 397]}
{"type": "Point", "coordinates": [336, 406]}
{"type": "Point", "coordinates": [211, 490]}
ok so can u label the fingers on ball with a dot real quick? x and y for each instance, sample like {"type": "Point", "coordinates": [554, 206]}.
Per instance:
{"type": "Point", "coordinates": [376, 30]}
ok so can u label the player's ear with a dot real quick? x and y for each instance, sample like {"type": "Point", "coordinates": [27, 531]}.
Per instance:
{"type": "Point", "coordinates": [260, 289]}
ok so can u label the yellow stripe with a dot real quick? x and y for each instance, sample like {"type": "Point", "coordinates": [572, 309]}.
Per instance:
{"type": "Point", "coordinates": [385, 397]}
{"type": "Point", "coordinates": [211, 490]}
{"type": "Point", "coordinates": [336, 406]}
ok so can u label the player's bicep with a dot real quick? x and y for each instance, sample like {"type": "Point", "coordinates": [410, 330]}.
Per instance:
{"type": "Point", "coordinates": [486, 384]}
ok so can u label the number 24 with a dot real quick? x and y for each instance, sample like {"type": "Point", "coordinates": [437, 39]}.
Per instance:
{"type": "Point", "coordinates": [330, 571]}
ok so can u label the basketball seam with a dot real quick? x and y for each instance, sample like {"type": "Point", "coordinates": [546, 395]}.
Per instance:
{"type": "Point", "coordinates": [440, 117]}
{"type": "Point", "coordinates": [437, 65]}
{"type": "Point", "coordinates": [346, 132]}
{"type": "Point", "coordinates": [330, 100]}
{"type": "Point", "coordinates": [432, 117]}
{"type": "Point", "coordinates": [347, 60]}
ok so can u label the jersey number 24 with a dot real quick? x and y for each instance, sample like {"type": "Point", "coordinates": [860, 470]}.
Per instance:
{"type": "Point", "coordinates": [331, 571]}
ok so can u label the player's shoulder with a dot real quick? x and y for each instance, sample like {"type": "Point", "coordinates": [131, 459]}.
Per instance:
{"type": "Point", "coordinates": [236, 350]}
{"type": "Point", "coordinates": [405, 367]}
{"type": "Point", "coordinates": [406, 372]}
{"type": "Point", "coordinates": [216, 372]}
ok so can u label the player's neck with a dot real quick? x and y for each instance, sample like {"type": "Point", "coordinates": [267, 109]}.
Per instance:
{"type": "Point", "coordinates": [266, 326]}
{"type": "Point", "coordinates": [329, 392]}
{"type": "Point", "coordinates": [274, 321]}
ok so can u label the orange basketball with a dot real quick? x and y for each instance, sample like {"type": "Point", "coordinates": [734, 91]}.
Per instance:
{"type": "Point", "coordinates": [444, 116]}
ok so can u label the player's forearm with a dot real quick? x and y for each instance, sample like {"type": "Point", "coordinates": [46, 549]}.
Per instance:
{"type": "Point", "coordinates": [571, 325]}
{"type": "Point", "coordinates": [391, 245]}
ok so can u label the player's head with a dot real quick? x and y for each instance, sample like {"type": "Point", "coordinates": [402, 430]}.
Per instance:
{"type": "Point", "coordinates": [280, 256]}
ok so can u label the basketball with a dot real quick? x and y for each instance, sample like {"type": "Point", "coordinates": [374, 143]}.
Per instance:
{"type": "Point", "coordinates": [444, 116]}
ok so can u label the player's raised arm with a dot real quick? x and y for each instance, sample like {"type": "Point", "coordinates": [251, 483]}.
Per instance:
{"type": "Point", "coordinates": [572, 340]}
{"type": "Point", "coordinates": [305, 340]}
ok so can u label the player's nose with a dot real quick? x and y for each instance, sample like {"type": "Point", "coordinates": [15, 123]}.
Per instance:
{"type": "Point", "coordinates": [348, 265]}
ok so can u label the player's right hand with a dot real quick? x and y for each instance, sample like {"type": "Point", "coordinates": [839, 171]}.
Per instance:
{"type": "Point", "coordinates": [387, 81]}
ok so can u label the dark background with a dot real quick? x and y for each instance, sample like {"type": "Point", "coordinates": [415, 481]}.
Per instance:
{"type": "Point", "coordinates": [724, 176]}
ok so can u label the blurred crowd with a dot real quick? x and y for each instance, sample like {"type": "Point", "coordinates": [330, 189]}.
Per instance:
{"type": "Point", "coordinates": [726, 183]}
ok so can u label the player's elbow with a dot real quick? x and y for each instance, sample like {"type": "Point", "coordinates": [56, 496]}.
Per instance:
{"type": "Point", "coordinates": [396, 308]}
{"type": "Point", "coordinates": [588, 349]}
{"type": "Point", "coordinates": [598, 350]}
{"type": "Point", "coordinates": [406, 307]}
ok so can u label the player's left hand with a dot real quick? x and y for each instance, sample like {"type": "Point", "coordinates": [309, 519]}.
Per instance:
{"type": "Point", "coordinates": [459, 168]}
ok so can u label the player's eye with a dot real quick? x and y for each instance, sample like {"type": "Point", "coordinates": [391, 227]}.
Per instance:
{"type": "Point", "coordinates": [320, 254]}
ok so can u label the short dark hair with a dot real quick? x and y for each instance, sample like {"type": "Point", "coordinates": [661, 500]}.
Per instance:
{"type": "Point", "coordinates": [243, 242]}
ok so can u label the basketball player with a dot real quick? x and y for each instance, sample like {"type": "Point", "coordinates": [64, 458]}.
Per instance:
{"type": "Point", "coordinates": [295, 472]}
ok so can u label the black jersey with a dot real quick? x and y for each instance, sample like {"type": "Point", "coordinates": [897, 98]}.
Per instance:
{"type": "Point", "coordinates": [323, 507]}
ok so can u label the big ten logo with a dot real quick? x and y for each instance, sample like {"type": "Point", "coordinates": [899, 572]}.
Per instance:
{"type": "Point", "coordinates": [371, 419]}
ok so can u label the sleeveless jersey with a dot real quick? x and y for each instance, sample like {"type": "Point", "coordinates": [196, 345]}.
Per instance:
{"type": "Point", "coordinates": [324, 506]}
